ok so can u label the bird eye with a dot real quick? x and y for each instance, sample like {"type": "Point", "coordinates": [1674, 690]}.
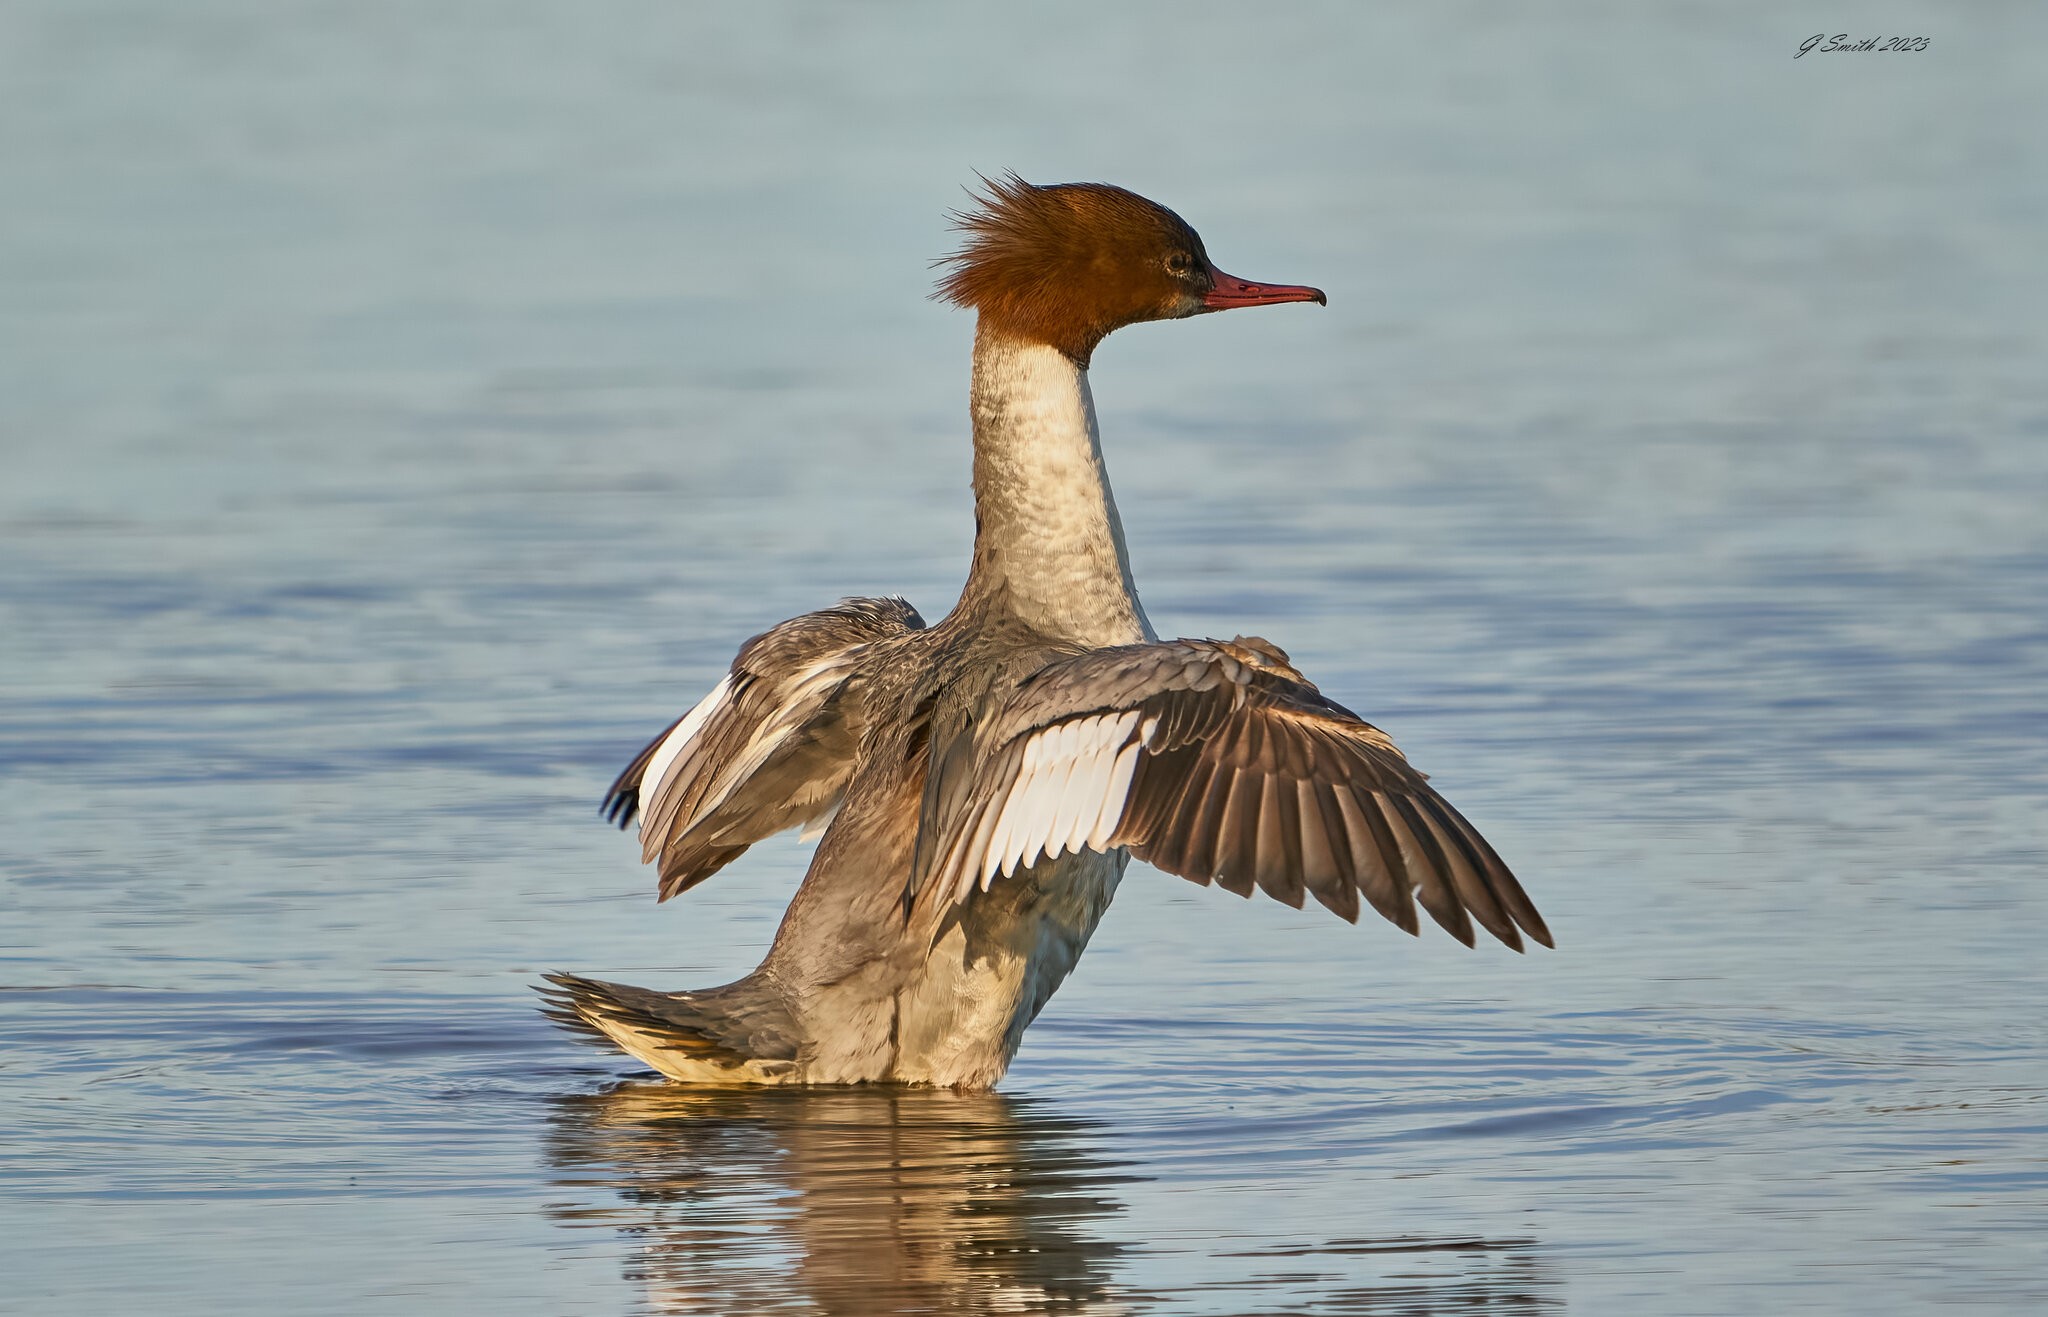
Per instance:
{"type": "Point", "coordinates": [1179, 263]}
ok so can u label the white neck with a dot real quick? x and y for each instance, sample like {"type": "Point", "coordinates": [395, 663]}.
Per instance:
{"type": "Point", "coordinates": [1047, 545]}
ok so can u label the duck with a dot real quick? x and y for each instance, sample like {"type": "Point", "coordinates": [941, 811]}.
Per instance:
{"type": "Point", "coordinates": [978, 787]}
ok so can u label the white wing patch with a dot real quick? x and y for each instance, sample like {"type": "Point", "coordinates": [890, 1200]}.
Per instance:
{"type": "Point", "coordinates": [1073, 779]}
{"type": "Point", "coordinates": [692, 723]}
{"type": "Point", "coordinates": [800, 701]}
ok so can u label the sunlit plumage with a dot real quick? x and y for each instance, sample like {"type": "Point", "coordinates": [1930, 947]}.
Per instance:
{"type": "Point", "coordinates": [981, 783]}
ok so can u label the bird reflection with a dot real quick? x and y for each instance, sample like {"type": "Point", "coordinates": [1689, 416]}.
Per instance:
{"type": "Point", "coordinates": [846, 1201]}
{"type": "Point", "coordinates": [876, 1200]}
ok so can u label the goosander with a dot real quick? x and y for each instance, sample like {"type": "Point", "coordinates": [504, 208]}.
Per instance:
{"type": "Point", "coordinates": [981, 784]}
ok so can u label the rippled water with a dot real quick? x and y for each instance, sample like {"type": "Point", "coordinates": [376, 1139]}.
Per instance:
{"type": "Point", "coordinates": [405, 414]}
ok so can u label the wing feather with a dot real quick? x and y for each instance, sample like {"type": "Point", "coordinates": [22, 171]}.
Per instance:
{"type": "Point", "coordinates": [1280, 871]}
{"type": "Point", "coordinates": [1203, 822]}
{"type": "Point", "coordinates": [1235, 863]}
{"type": "Point", "coordinates": [1425, 866]}
{"type": "Point", "coordinates": [1323, 872]}
{"type": "Point", "coordinates": [1068, 813]}
{"type": "Point", "coordinates": [1471, 889]}
{"type": "Point", "coordinates": [1113, 797]}
{"type": "Point", "coordinates": [770, 747]}
{"type": "Point", "coordinates": [987, 837]}
{"type": "Point", "coordinates": [1498, 877]}
{"type": "Point", "coordinates": [1047, 797]}
{"type": "Point", "coordinates": [1219, 762]}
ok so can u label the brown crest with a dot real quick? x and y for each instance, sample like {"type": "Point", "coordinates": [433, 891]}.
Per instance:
{"type": "Point", "coordinates": [1067, 263]}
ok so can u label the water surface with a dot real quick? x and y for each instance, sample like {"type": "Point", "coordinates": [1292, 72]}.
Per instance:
{"type": "Point", "coordinates": [405, 414]}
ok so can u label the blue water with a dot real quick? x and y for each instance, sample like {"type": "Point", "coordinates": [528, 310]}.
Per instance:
{"type": "Point", "coordinates": [406, 412]}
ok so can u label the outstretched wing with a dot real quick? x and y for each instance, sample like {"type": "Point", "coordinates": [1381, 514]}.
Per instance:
{"type": "Point", "coordinates": [771, 747]}
{"type": "Point", "coordinates": [1218, 762]}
